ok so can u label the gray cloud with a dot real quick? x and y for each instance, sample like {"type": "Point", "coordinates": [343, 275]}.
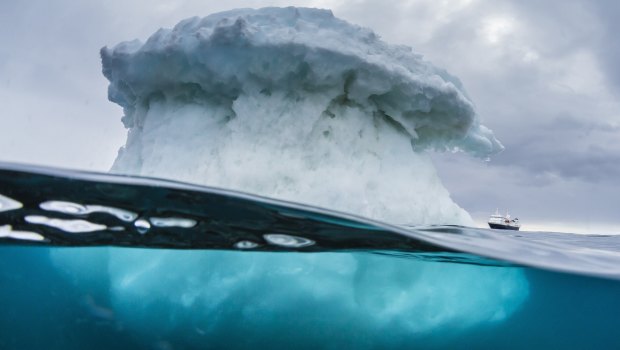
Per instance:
{"type": "Point", "coordinates": [568, 147]}
{"type": "Point", "coordinates": [608, 47]}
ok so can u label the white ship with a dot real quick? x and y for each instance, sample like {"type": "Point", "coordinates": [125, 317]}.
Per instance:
{"type": "Point", "coordinates": [503, 222]}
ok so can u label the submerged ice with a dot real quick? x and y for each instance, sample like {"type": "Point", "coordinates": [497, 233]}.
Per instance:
{"type": "Point", "coordinates": [299, 105]}
{"type": "Point", "coordinates": [241, 300]}
{"type": "Point", "coordinates": [295, 104]}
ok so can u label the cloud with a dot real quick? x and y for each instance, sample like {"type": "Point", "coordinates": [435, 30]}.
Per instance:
{"type": "Point", "coordinates": [569, 148]}
{"type": "Point", "coordinates": [544, 77]}
{"type": "Point", "coordinates": [608, 46]}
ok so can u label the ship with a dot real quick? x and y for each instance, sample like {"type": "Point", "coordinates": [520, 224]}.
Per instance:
{"type": "Point", "coordinates": [503, 222]}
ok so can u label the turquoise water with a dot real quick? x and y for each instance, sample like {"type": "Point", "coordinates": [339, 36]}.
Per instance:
{"type": "Point", "coordinates": [44, 306]}
{"type": "Point", "coordinates": [98, 261]}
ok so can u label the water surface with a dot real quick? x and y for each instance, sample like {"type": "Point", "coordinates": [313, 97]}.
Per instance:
{"type": "Point", "coordinates": [99, 261]}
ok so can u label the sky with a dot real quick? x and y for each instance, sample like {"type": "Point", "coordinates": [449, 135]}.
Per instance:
{"type": "Point", "coordinates": [544, 76]}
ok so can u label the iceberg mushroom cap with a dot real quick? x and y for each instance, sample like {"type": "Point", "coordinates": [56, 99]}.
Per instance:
{"type": "Point", "coordinates": [298, 50]}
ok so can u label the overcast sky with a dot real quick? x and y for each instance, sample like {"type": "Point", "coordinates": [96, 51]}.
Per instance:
{"type": "Point", "coordinates": [544, 75]}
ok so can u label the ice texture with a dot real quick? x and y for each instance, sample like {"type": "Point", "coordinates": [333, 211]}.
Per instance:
{"type": "Point", "coordinates": [295, 104]}
{"type": "Point", "coordinates": [200, 299]}
{"type": "Point", "coordinates": [275, 300]}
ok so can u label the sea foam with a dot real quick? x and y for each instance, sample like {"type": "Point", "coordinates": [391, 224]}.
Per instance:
{"type": "Point", "coordinates": [295, 104]}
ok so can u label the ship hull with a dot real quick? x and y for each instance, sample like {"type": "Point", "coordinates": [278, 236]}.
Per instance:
{"type": "Point", "coordinates": [504, 227]}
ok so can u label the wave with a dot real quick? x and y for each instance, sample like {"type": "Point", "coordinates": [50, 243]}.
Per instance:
{"type": "Point", "coordinates": [56, 207]}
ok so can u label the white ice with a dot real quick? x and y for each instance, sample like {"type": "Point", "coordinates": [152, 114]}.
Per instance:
{"type": "Point", "coordinates": [296, 104]}
{"type": "Point", "coordinates": [299, 105]}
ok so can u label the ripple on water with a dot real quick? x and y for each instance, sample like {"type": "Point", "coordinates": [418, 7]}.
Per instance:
{"type": "Point", "coordinates": [246, 245]}
{"type": "Point", "coordinates": [172, 222]}
{"type": "Point", "coordinates": [7, 231]}
{"type": "Point", "coordinates": [71, 226]}
{"type": "Point", "coordinates": [287, 241]}
{"type": "Point", "coordinates": [7, 204]}
{"type": "Point", "coordinates": [83, 209]}
{"type": "Point", "coordinates": [142, 225]}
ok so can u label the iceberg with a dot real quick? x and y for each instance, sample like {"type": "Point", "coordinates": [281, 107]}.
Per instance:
{"type": "Point", "coordinates": [294, 104]}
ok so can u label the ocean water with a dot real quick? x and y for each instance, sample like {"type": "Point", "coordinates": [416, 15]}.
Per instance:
{"type": "Point", "coordinates": [101, 261]}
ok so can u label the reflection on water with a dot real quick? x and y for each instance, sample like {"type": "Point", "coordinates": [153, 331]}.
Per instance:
{"type": "Point", "coordinates": [7, 204]}
{"type": "Point", "coordinates": [245, 245]}
{"type": "Point", "coordinates": [7, 231]}
{"type": "Point", "coordinates": [80, 209]}
{"type": "Point", "coordinates": [142, 225]}
{"type": "Point", "coordinates": [287, 241]}
{"type": "Point", "coordinates": [71, 226]}
{"type": "Point", "coordinates": [173, 222]}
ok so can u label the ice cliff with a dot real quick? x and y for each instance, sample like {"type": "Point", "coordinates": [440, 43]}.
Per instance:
{"type": "Point", "coordinates": [296, 104]}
